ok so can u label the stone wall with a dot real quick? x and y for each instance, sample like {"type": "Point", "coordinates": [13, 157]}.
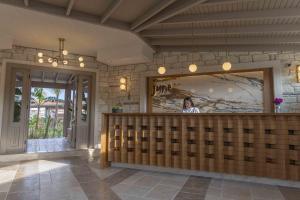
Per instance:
{"type": "Point", "coordinates": [108, 93]}
{"type": "Point", "coordinates": [178, 63]}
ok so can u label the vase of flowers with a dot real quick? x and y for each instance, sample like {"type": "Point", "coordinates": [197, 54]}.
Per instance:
{"type": "Point", "coordinates": [277, 102]}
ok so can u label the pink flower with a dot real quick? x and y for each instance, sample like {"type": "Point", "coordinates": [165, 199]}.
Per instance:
{"type": "Point", "coordinates": [278, 101]}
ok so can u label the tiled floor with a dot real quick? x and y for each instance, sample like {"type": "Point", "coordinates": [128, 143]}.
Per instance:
{"type": "Point", "coordinates": [48, 145]}
{"type": "Point", "coordinates": [76, 179]}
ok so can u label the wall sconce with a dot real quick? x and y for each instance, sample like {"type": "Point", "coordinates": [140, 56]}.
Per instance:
{"type": "Point", "coordinates": [123, 84]}
{"type": "Point", "coordinates": [298, 73]}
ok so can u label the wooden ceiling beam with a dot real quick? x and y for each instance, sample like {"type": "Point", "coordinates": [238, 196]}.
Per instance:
{"type": "Point", "coordinates": [151, 12]}
{"type": "Point", "coordinates": [56, 77]}
{"type": "Point", "coordinates": [187, 32]}
{"type": "Point", "coordinates": [43, 76]}
{"type": "Point", "coordinates": [172, 10]}
{"type": "Point", "coordinates": [70, 7]}
{"type": "Point", "coordinates": [231, 16]}
{"type": "Point", "coordinates": [225, 41]}
{"type": "Point", "coordinates": [70, 78]}
{"type": "Point", "coordinates": [26, 3]}
{"type": "Point", "coordinates": [110, 10]}
{"type": "Point", "coordinates": [242, 48]}
{"type": "Point", "coordinates": [76, 15]}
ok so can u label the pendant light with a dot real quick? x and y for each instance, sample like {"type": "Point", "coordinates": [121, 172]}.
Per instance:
{"type": "Point", "coordinates": [193, 67]}
{"type": "Point", "coordinates": [162, 69]}
{"type": "Point", "coordinates": [226, 65]}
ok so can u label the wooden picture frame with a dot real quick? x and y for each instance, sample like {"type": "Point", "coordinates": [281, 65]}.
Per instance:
{"type": "Point", "coordinates": [268, 88]}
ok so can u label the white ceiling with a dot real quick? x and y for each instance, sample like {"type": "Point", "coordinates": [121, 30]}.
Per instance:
{"type": "Point", "coordinates": [116, 30]}
{"type": "Point", "coordinates": [40, 30]}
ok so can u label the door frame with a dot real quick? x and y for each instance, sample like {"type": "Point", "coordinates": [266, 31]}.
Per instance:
{"type": "Point", "coordinates": [94, 95]}
{"type": "Point", "coordinates": [21, 124]}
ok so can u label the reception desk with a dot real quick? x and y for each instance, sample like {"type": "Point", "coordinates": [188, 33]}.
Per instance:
{"type": "Point", "coordinates": [264, 145]}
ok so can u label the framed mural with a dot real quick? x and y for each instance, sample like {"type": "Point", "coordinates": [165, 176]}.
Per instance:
{"type": "Point", "coordinates": [237, 91]}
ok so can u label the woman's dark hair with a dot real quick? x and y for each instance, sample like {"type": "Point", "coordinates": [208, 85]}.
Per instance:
{"type": "Point", "coordinates": [187, 99]}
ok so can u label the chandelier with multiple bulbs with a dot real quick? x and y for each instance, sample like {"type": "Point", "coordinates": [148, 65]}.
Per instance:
{"type": "Point", "coordinates": [60, 58]}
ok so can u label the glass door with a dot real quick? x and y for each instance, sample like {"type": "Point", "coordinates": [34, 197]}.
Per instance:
{"type": "Point", "coordinates": [15, 125]}
{"type": "Point", "coordinates": [83, 112]}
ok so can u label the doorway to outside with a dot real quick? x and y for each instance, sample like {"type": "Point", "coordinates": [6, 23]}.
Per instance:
{"type": "Point", "coordinates": [46, 121]}
{"type": "Point", "coordinates": [47, 110]}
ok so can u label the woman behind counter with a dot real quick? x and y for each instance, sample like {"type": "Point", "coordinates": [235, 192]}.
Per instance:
{"type": "Point", "coordinates": [188, 106]}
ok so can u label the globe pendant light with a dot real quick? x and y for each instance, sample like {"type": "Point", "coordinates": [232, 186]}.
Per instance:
{"type": "Point", "coordinates": [161, 69]}
{"type": "Point", "coordinates": [193, 66]}
{"type": "Point", "coordinates": [226, 65]}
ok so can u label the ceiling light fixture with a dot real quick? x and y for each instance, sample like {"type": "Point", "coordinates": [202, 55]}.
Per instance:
{"type": "Point", "coordinates": [226, 65]}
{"type": "Point", "coordinates": [60, 59]}
{"type": "Point", "coordinates": [162, 69]}
{"type": "Point", "coordinates": [193, 67]}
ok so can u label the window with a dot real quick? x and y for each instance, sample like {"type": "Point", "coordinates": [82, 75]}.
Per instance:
{"type": "Point", "coordinates": [18, 97]}
{"type": "Point", "coordinates": [84, 101]}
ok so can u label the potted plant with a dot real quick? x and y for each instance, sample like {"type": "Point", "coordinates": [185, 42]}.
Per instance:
{"type": "Point", "coordinates": [277, 102]}
{"type": "Point", "coordinates": [117, 108]}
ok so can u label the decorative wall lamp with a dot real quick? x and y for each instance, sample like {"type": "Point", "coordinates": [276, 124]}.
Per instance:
{"type": "Point", "coordinates": [298, 73]}
{"type": "Point", "coordinates": [123, 84]}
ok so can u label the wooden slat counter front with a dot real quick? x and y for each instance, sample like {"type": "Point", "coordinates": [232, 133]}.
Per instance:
{"type": "Point", "coordinates": [265, 145]}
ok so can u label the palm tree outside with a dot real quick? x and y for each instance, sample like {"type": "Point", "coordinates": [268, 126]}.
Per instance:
{"type": "Point", "coordinates": [57, 93]}
{"type": "Point", "coordinates": [39, 99]}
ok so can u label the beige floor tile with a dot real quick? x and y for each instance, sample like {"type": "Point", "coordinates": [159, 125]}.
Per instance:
{"type": "Point", "coordinates": [212, 197]}
{"type": "Point", "coordinates": [3, 195]}
{"type": "Point", "coordinates": [137, 191]}
{"type": "Point", "coordinates": [4, 187]}
{"type": "Point", "coordinates": [171, 182]}
{"type": "Point", "coordinates": [163, 192]}
{"type": "Point", "coordinates": [267, 194]}
{"type": "Point", "coordinates": [32, 195]}
{"type": "Point", "coordinates": [290, 193]}
{"type": "Point", "coordinates": [148, 181]}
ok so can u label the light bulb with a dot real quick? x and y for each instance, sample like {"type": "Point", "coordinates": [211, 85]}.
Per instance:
{"type": "Point", "coordinates": [65, 62]}
{"type": "Point", "coordinates": [123, 80]}
{"type": "Point", "coordinates": [81, 64]}
{"type": "Point", "coordinates": [161, 70]}
{"type": "Point", "coordinates": [226, 66]}
{"type": "Point", "coordinates": [65, 52]}
{"type": "Point", "coordinates": [80, 59]}
{"type": "Point", "coordinates": [41, 60]}
{"type": "Point", "coordinates": [40, 54]}
{"type": "Point", "coordinates": [122, 87]}
{"type": "Point", "coordinates": [193, 67]}
{"type": "Point", "coordinates": [54, 64]}
{"type": "Point", "coordinates": [50, 60]}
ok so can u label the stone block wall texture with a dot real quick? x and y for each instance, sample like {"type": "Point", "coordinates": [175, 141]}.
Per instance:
{"type": "Point", "coordinates": [179, 62]}
{"type": "Point", "coordinates": [107, 86]}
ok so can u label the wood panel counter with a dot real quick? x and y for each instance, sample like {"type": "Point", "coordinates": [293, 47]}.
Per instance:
{"type": "Point", "coordinates": [253, 144]}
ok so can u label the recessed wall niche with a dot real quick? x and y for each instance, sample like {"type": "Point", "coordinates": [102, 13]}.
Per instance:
{"type": "Point", "coordinates": [237, 91]}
